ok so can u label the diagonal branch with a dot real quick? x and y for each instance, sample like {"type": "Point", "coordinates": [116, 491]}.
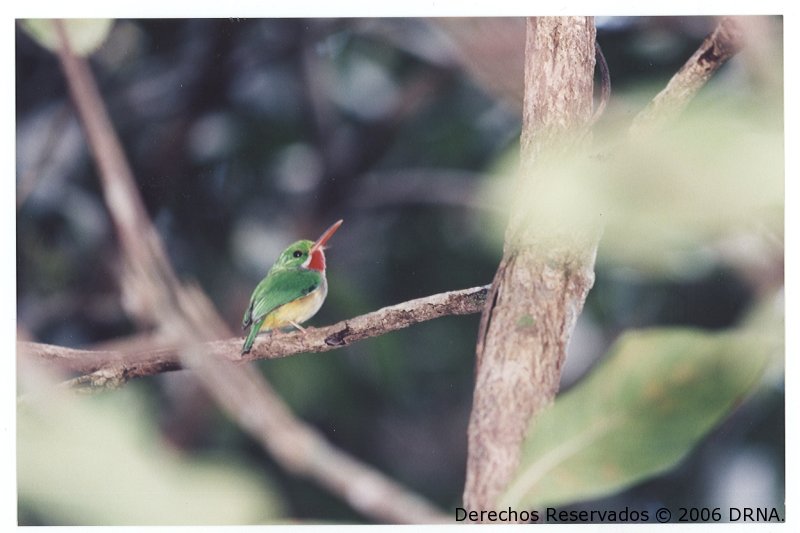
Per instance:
{"type": "Point", "coordinates": [722, 44]}
{"type": "Point", "coordinates": [112, 368]}
{"type": "Point", "coordinates": [304, 451]}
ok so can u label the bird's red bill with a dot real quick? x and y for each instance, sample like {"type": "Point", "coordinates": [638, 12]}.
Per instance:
{"type": "Point", "coordinates": [327, 235]}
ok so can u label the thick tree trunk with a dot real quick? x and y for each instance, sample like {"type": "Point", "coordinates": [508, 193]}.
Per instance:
{"type": "Point", "coordinates": [546, 271]}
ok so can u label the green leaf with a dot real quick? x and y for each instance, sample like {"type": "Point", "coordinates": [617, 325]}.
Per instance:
{"type": "Point", "coordinates": [639, 413]}
{"type": "Point", "coordinates": [98, 461]}
{"type": "Point", "coordinates": [672, 204]}
{"type": "Point", "coordinates": [85, 35]}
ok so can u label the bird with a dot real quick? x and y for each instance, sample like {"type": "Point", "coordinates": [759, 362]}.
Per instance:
{"type": "Point", "coordinates": [292, 291]}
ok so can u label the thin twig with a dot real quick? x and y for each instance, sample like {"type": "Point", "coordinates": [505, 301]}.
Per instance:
{"type": "Point", "coordinates": [605, 83]}
{"type": "Point", "coordinates": [106, 368]}
{"type": "Point", "coordinates": [722, 44]}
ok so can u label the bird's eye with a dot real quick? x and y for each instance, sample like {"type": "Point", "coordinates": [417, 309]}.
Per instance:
{"type": "Point", "coordinates": [297, 253]}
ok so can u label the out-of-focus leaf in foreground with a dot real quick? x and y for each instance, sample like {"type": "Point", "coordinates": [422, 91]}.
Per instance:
{"type": "Point", "coordinates": [639, 413]}
{"type": "Point", "coordinates": [85, 35]}
{"type": "Point", "coordinates": [661, 202]}
{"type": "Point", "coordinates": [97, 462]}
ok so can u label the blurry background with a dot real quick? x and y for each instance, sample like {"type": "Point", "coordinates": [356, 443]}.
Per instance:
{"type": "Point", "coordinates": [245, 135]}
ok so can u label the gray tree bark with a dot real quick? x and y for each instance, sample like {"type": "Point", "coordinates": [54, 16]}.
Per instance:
{"type": "Point", "coordinates": [546, 271]}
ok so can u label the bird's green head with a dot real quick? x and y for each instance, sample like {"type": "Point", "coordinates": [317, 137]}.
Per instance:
{"type": "Point", "coordinates": [307, 254]}
{"type": "Point", "coordinates": [295, 255]}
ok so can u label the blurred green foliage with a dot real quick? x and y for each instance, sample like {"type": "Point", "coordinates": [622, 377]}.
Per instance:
{"type": "Point", "coordinates": [82, 462]}
{"type": "Point", "coordinates": [245, 135]}
{"type": "Point", "coordinates": [85, 35]}
{"type": "Point", "coordinates": [663, 200]}
{"type": "Point", "coordinates": [639, 412]}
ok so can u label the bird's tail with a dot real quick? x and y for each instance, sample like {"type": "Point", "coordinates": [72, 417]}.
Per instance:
{"type": "Point", "coordinates": [251, 337]}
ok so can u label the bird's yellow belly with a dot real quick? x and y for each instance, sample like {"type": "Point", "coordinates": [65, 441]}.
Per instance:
{"type": "Point", "coordinates": [297, 311]}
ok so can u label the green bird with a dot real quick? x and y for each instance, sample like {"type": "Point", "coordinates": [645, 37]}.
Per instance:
{"type": "Point", "coordinates": [293, 290]}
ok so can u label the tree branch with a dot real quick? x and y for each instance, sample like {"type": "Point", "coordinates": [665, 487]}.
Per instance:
{"type": "Point", "coordinates": [112, 368]}
{"type": "Point", "coordinates": [185, 315]}
{"type": "Point", "coordinates": [304, 451]}
{"type": "Point", "coordinates": [722, 44]}
{"type": "Point", "coordinates": [545, 273]}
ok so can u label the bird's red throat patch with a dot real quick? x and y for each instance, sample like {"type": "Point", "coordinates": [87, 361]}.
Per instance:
{"type": "Point", "coordinates": [317, 261]}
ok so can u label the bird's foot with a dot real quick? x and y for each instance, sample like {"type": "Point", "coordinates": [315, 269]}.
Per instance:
{"type": "Point", "coordinates": [298, 326]}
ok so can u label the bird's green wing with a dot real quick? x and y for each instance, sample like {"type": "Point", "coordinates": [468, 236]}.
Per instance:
{"type": "Point", "coordinates": [251, 337]}
{"type": "Point", "coordinates": [278, 288]}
